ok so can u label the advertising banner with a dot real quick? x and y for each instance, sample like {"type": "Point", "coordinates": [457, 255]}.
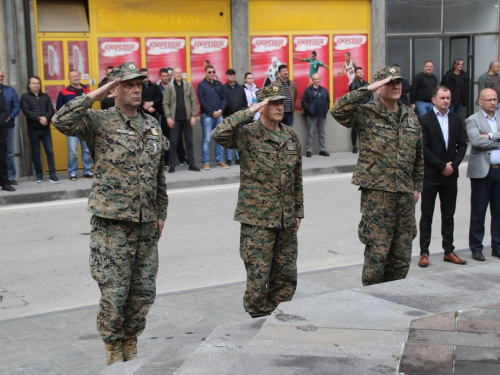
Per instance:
{"type": "Point", "coordinates": [53, 91]}
{"type": "Point", "coordinates": [53, 60]}
{"type": "Point", "coordinates": [209, 50]}
{"type": "Point", "coordinates": [116, 51]}
{"type": "Point", "coordinates": [349, 52]}
{"type": "Point", "coordinates": [267, 54]}
{"type": "Point", "coordinates": [78, 56]}
{"type": "Point", "coordinates": [164, 53]}
{"type": "Point", "coordinates": [303, 46]}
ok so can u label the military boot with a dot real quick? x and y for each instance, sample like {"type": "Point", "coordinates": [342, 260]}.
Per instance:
{"type": "Point", "coordinates": [114, 353]}
{"type": "Point", "coordinates": [130, 349]}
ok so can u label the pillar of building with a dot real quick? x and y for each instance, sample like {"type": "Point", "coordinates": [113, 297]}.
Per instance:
{"type": "Point", "coordinates": [240, 38]}
{"type": "Point", "coordinates": [377, 35]}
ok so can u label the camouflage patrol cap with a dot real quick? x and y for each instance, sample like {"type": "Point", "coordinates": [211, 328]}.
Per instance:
{"type": "Point", "coordinates": [393, 71]}
{"type": "Point", "coordinates": [272, 92]}
{"type": "Point", "coordinates": [126, 72]}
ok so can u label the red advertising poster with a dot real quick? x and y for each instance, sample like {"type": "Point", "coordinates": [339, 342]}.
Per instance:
{"type": "Point", "coordinates": [53, 60]}
{"type": "Point", "coordinates": [78, 56]}
{"type": "Point", "coordinates": [53, 92]}
{"type": "Point", "coordinates": [213, 49]}
{"type": "Point", "coordinates": [164, 53]}
{"type": "Point", "coordinates": [349, 52]}
{"type": "Point", "coordinates": [267, 54]}
{"type": "Point", "coordinates": [303, 46]}
{"type": "Point", "coordinates": [116, 51]}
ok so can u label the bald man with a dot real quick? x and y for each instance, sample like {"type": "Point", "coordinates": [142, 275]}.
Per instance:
{"type": "Point", "coordinates": [483, 128]}
{"type": "Point", "coordinates": [316, 103]}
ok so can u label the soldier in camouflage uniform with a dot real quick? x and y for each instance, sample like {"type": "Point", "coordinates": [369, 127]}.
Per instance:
{"type": "Point", "coordinates": [128, 201]}
{"type": "Point", "coordinates": [389, 172]}
{"type": "Point", "coordinates": [270, 199]}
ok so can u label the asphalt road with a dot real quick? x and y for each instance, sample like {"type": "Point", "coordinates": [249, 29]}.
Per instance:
{"type": "Point", "coordinates": [45, 247]}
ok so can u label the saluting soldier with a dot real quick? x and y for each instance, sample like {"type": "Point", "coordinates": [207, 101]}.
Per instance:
{"type": "Point", "coordinates": [128, 202]}
{"type": "Point", "coordinates": [389, 172]}
{"type": "Point", "coordinates": [270, 199]}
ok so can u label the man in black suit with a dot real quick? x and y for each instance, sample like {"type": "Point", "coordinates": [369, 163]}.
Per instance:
{"type": "Point", "coordinates": [444, 150]}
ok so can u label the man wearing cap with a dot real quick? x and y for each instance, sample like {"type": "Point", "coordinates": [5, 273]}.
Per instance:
{"type": "Point", "coordinates": [236, 100]}
{"type": "Point", "coordinates": [270, 199]}
{"type": "Point", "coordinates": [128, 202]}
{"type": "Point", "coordinates": [389, 173]}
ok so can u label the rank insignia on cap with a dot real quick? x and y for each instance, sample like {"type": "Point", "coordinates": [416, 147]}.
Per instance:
{"type": "Point", "coordinates": [132, 66]}
{"type": "Point", "coordinates": [392, 70]}
{"type": "Point", "coordinates": [275, 88]}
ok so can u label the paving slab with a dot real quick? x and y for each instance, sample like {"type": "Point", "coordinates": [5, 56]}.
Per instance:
{"type": "Point", "coordinates": [477, 354]}
{"type": "Point", "coordinates": [440, 322]}
{"type": "Point", "coordinates": [476, 368]}
{"type": "Point", "coordinates": [426, 359]}
{"type": "Point", "coordinates": [481, 314]}
{"type": "Point", "coordinates": [345, 309]}
{"type": "Point", "coordinates": [484, 326]}
{"type": "Point", "coordinates": [454, 338]}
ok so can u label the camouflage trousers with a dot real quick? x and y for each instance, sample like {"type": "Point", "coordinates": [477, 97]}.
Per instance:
{"type": "Point", "coordinates": [387, 228]}
{"type": "Point", "coordinates": [270, 257]}
{"type": "Point", "coordinates": [124, 262]}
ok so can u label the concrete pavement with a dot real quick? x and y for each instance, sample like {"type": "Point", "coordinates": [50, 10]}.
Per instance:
{"type": "Point", "coordinates": [29, 191]}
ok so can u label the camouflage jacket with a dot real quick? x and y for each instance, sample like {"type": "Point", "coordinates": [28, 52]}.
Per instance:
{"type": "Point", "coordinates": [129, 182]}
{"type": "Point", "coordinates": [391, 153]}
{"type": "Point", "coordinates": [270, 192]}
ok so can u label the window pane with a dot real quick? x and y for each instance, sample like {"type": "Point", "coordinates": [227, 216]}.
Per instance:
{"type": "Point", "coordinates": [397, 51]}
{"type": "Point", "coordinates": [459, 51]}
{"type": "Point", "coordinates": [485, 51]}
{"type": "Point", "coordinates": [470, 16]}
{"type": "Point", "coordinates": [413, 16]}
{"type": "Point", "coordinates": [428, 50]}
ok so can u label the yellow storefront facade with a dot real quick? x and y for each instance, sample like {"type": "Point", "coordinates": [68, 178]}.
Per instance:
{"type": "Point", "coordinates": [217, 29]}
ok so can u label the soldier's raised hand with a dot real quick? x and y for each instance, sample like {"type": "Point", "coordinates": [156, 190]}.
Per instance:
{"type": "Point", "coordinates": [378, 84]}
{"type": "Point", "coordinates": [256, 106]}
{"type": "Point", "coordinates": [103, 91]}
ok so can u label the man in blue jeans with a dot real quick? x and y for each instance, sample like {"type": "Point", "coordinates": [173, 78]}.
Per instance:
{"type": "Point", "coordinates": [67, 94]}
{"type": "Point", "coordinates": [212, 102]}
{"type": "Point", "coordinates": [421, 90]}
{"type": "Point", "coordinates": [14, 108]}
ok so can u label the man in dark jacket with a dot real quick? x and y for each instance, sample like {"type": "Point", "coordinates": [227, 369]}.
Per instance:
{"type": "Point", "coordinates": [456, 80]}
{"type": "Point", "coordinates": [421, 90]}
{"type": "Point", "coordinates": [236, 101]}
{"type": "Point", "coordinates": [4, 113]}
{"type": "Point", "coordinates": [14, 108]}
{"type": "Point", "coordinates": [316, 103]}
{"type": "Point", "coordinates": [109, 101]}
{"type": "Point", "coordinates": [38, 109]}
{"type": "Point", "coordinates": [356, 84]}
{"type": "Point", "coordinates": [213, 102]}
{"type": "Point", "coordinates": [152, 96]}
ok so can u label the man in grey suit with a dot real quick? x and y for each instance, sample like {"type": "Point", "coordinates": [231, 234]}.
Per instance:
{"type": "Point", "coordinates": [483, 129]}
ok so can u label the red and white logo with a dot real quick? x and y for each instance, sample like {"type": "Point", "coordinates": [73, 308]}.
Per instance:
{"type": "Point", "coordinates": [112, 49]}
{"type": "Point", "coordinates": [164, 46]}
{"type": "Point", "coordinates": [53, 60]}
{"type": "Point", "coordinates": [309, 43]}
{"type": "Point", "coordinates": [202, 46]}
{"type": "Point", "coordinates": [346, 42]}
{"type": "Point", "coordinates": [77, 59]}
{"type": "Point", "coordinates": [268, 44]}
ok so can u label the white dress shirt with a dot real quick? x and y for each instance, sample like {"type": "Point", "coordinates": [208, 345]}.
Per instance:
{"type": "Point", "coordinates": [443, 122]}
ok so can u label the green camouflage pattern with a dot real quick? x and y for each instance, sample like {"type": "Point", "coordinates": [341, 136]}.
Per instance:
{"type": "Point", "coordinates": [272, 92]}
{"type": "Point", "coordinates": [388, 71]}
{"type": "Point", "coordinates": [124, 262]}
{"type": "Point", "coordinates": [391, 153]}
{"type": "Point", "coordinates": [270, 193]}
{"type": "Point", "coordinates": [126, 72]}
{"type": "Point", "coordinates": [387, 228]}
{"type": "Point", "coordinates": [270, 257]}
{"type": "Point", "coordinates": [129, 182]}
